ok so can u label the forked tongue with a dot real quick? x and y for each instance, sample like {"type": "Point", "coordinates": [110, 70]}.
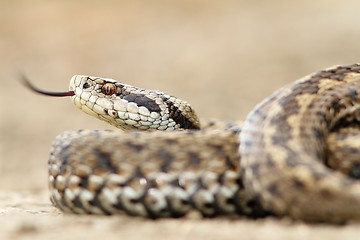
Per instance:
{"type": "Point", "coordinates": [29, 85]}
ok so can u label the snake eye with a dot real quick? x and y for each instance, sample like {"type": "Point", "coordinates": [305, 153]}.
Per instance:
{"type": "Point", "coordinates": [108, 89]}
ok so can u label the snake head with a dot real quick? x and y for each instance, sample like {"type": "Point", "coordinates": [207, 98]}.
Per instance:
{"type": "Point", "coordinates": [125, 106]}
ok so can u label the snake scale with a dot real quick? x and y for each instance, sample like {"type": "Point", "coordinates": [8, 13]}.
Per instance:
{"type": "Point", "coordinates": [295, 154]}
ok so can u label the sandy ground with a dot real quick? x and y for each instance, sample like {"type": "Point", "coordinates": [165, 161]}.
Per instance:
{"type": "Point", "coordinates": [223, 56]}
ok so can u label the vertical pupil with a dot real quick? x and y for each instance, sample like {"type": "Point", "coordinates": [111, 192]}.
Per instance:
{"type": "Point", "coordinates": [108, 89]}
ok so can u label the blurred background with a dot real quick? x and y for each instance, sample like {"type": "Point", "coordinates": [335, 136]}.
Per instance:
{"type": "Point", "coordinates": [222, 56]}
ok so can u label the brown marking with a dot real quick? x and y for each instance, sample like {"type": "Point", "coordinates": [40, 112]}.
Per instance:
{"type": "Point", "coordinates": [273, 189]}
{"type": "Point", "coordinates": [255, 168]}
{"type": "Point", "coordinates": [134, 146]}
{"type": "Point", "coordinates": [143, 101]}
{"type": "Point", "coordinates": [179, 117]}
{"type": "Point", "coordinates": [354, 170]}
{"type": "Point", "coordinates": [298, 183]}
{"type": "Point", "coordinates": [167, 160]}
{"type": "Point", "coordinates": [104, 161]}
{"type": "Point", "coordinates": [194, 158]}
{"type": "Point", "coordinates": [338, 73]}
{"type": "Point", "coordinates": [270, 161]}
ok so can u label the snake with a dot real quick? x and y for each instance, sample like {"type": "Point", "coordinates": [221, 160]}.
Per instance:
{"type": "Point", "coordinates": [295, 154]}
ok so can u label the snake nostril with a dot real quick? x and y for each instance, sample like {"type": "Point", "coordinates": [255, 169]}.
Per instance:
{"type": "Point", "coordinates": [86, 85]}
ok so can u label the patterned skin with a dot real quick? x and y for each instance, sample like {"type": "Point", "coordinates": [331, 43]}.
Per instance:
{"type": "Point", "coordinates": [281, 161]}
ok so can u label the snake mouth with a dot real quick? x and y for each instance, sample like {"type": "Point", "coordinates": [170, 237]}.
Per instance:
{"type": "Point", "coordinates": [29, 85]}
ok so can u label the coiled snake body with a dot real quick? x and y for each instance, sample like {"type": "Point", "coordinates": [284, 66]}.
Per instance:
{"type": "Point", "coordinates": [280, 161]}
